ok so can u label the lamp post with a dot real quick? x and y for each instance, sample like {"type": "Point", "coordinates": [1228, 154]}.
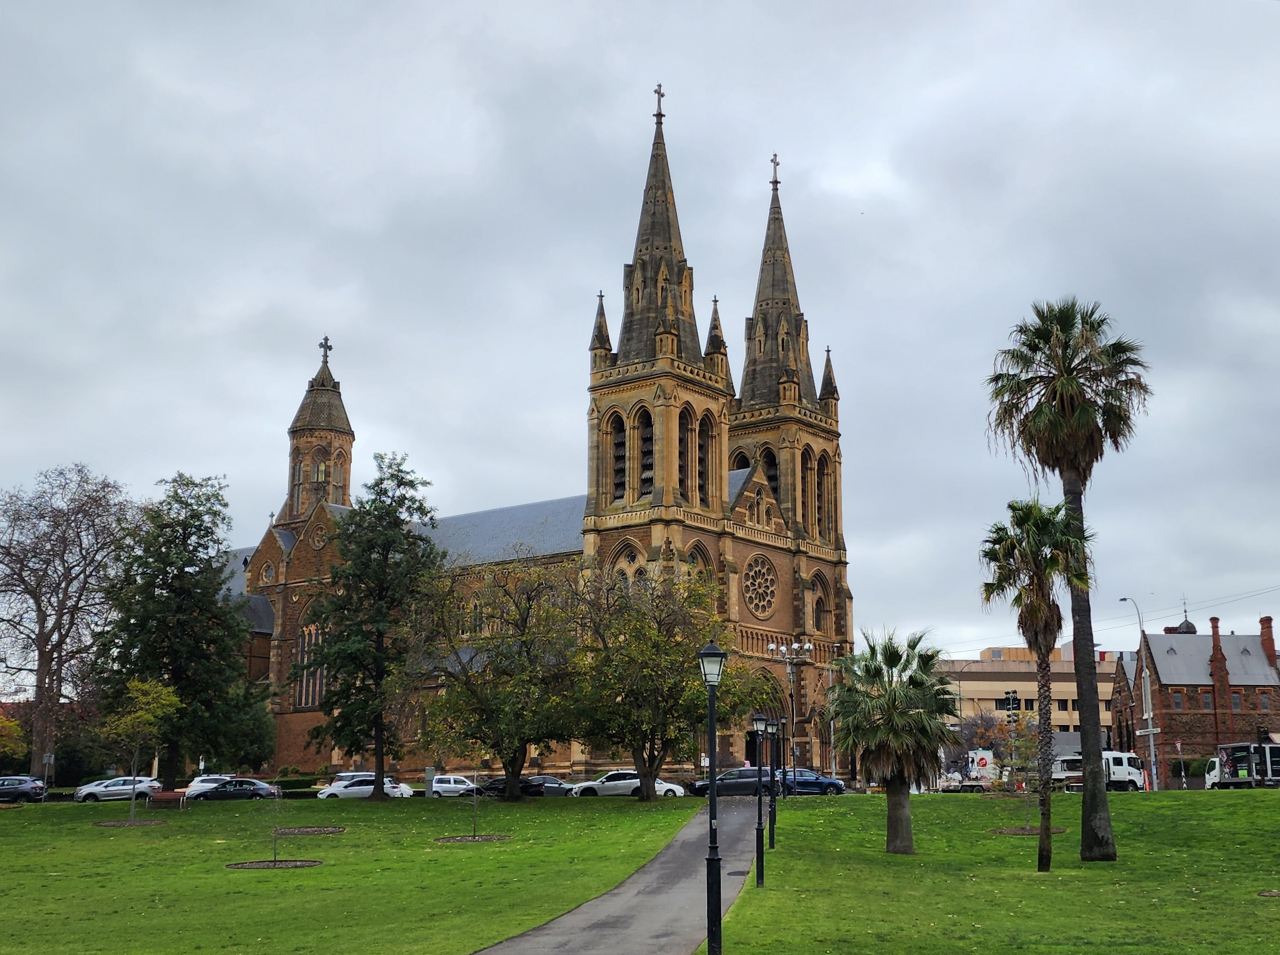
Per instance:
{"type": "Point", "coordinates": [772, 728]}
{"type": "Point", "coordinates": [1146, 694]}
{"type": "Point", "coordinates": [791, 655]}
{"type": "Point", "coordinates": [711, 660]}
{"type": "Point", "coordinates": [758, 723]}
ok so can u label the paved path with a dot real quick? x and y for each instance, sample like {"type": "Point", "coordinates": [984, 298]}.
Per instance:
{"type": "Point", "coordinates": [662, 908]}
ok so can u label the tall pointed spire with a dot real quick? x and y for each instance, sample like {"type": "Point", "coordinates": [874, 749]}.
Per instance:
{"type": "Point", "coordinates": [322, 408]}
{"type": "Point", "coordinates": [715, 334]}
{"type": "Point", "coordinates": [776, 331]}
{"type": "Point", "coordinates": [829, 389]}
{"type": "Point", "coordinates": [658, 284]}
{"type": "Point", "coordinates": [600, 334]}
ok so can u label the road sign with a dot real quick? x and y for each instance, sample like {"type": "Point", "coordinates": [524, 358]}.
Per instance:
{"type": "Point", "coordinates": [48, 759]}
{"type": "Point", "coordinates": [1150, 732]}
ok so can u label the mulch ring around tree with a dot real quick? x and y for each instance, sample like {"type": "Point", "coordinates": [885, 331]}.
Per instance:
{"type": "Point", "coordinates": [473, 839]}
{"type": "Point", "coordinates": [276, 864]}
{"type": "Point", "coordinates": [1270, 894]}
{"type": "Point", "coordinates": [1024, 831]}
{"type": "Point", "coordinates": [309, 831]}
{"type": "Point", "coordinates": [116, 823]}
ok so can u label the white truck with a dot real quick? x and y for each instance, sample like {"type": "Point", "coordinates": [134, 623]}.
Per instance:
{"type": "Point", "coordinates": [1122, 771]}
{"type": "Point", "coordinates": [1244, 766]}
{"type": "Point", "coordinates": [977, 776]}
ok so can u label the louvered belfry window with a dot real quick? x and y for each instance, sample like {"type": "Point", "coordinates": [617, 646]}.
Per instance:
{"type": "Point", "coordinates": [704, 462]}
{"type": "Point", "coordinates": [619, 435]}
{"type": "Point", "coordinates": [646, 454]}
{"type": "Point", "coordinates": [686, 434]}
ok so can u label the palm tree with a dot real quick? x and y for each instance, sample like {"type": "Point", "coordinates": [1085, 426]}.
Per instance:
{"type": "Point", "coordinates": [889, 713]}
{"type": "Point", "coordinates": [1028, 558]}
{"type": "Point", "coordinates": [1062, 392]}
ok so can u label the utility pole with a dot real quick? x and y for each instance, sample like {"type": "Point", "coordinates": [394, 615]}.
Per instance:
{"type": "Point", "coordinates": [1151, 732]}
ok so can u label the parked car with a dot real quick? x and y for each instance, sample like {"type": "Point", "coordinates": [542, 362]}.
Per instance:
{"type": "Point", "coordinates": [201, 783]}
{"type": "Point", "coordinates": [121, 787]}
{"type": "Point", "coordinates": [803, 782]}
{"type": "Point", "coordinates": [341, 778]}
{"type": "Point", "coordinates": [239, 788]}
{"type": "Point", "coordinates": [737, 782]}
{"type": "Point", "coordinates": [21, 789]}
{"type": "Point", "coordinates": [552, 785]}
{"type": "Point", "coordinates": [622, 782]}
{"type": "Point", "coordinates": [363, 788]}
{"type": "Point", "coordinates": [449, 786]}
{"type": "Point", "coordinates": [495, 788]}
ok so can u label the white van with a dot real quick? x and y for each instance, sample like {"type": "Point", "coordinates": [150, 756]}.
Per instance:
{"type": "Point", "coordinates": [1122, 771]}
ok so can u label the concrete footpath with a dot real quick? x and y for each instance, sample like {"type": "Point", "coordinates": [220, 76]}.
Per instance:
{"type": "Point", "coordinates": [662, 908]}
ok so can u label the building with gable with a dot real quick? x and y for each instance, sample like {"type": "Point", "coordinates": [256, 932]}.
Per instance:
{"type": "Point", "coordinates": [683, 470]}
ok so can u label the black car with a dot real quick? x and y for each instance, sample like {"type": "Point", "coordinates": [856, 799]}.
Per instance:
{"type": "Point", "coordinates": [239, 788]}
{"type": "Point", "coordinates": [737, 782]}
{"type": "Point", "coordinates": [21, 789]}
{"type": "Point", "coordinates": [497, 788]}
{"type": "Point", "coordinates": [552, 785]}
{"type": "Point", "coordinates": [806, 782]}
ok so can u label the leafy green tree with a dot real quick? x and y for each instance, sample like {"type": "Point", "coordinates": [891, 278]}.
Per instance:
{"type": "Point", "coordinates": [639, 686]}
{"type": "Point", "coordinates": [385, 562]}
{"type": "Point", "coordinates": [12, 745]}
{"type": "Point", "coordinates": [497, 660]}
{"type": "Point", "coordinates": [137, 723]}
{"type": "Point", "coordinates": [890, 712]}
{"type": "Point", "coordinates": [1029, 558]}
{"type": "Point", "coordinates": [1062, 393]}
{"type": "Point", "coordinates": [173, 622]}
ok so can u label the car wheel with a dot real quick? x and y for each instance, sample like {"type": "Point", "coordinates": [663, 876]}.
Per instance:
{"type": "Point", "coordinates": [435, 794]}
{"type": "Point", "coordinates": [256, 796]}
{"type": "Point", "coordinates": [669, 792]}
{"type": "Point", "coordinates": [829, 790]}
{"type": "Point", "coordinates": [1213, 785]}
{"type": "Point", "coordinates": [91, 798]}
{"type": "Point", "coordinates": [635, 793]}
{"type": "Point", "coordinates": [589, 792]}
{"type": "Point", "coordinates": [1133, 787]}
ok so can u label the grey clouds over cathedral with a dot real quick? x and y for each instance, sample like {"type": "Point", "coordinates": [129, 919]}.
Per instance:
{"type": "Point", "coordinates": [193, 200]}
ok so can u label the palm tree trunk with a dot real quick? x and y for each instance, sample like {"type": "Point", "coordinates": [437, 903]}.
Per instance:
{"type": "Point", "coordinates": [1044, 729]}
{"type": "Point", "coordinates": [898, 839]}
{"type": "Point", "coordinates": [1097, 843]}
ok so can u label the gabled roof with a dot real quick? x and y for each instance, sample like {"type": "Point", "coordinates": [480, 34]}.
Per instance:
{"type": "Point", "coordinates": [737, 481]}
{"type": "Point", "coordinates": [1182, 659]}
{"type": "Point", "coordinates": [257, 609]}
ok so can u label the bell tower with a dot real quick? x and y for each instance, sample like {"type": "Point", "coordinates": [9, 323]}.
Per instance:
{"type": "Point", "coordinates": [658, 423]}
{"type": "Point", "coordinates": [780, 419]}
{"type": "Point", "coordinates": [320, 441]}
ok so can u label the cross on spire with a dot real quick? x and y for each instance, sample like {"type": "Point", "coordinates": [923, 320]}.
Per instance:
{"type": "Point", "coordinates": [325, 348]}
{"type": "Point", "coordinates": [774, 181]}
{"type": "Point", "coordinates": [658, 91]}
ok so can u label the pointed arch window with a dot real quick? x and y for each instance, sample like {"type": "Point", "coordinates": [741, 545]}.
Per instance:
{"type": "Point", "coordinates": [310, 689]}
{"type": "Point", "coordinates": [822, 496]}
{"type": "Point", "coordinates": [686, 438]}
{"type": "Point", "coordinates": [645, 426]}
{"type": "Point", "coordinates": [319, 467]}
{"type": "Point", "coordinates": [705, 431]}
{"type": "Point", "coordinates": [820, 614]}
{"type": "Point", "coordinates": [740, 461]}
{"type": "Point", "coordinates": [806, 491]}
{"type": "Point", "coordinates": [618, 443]}
{"type": "Point", "coordinates": [770, 462]}
{"type": "Point", "coordinates": [296, 479]}
{"type": "Point", "coordinates": [339, 478]}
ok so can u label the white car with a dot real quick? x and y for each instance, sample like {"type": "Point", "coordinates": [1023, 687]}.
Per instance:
{"type": "Point", "coordinates": [362, 788]}
{"type": "Point", "coordinates": [122, 787]}
{"type": "Point", "coordinates": [202, 783]}
{"type": "Point", "coordinates": [622, 782]}
{"type": "Point", "coordinates": [450, 786]}
{"type": "Point", "coordinates": [341, 778]}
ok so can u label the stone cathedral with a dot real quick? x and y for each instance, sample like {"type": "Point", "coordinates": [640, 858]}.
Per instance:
{"type": "Point", "coordinates": [682, 467]}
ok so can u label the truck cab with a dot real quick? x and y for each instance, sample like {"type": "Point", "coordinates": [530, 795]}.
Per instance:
{"type": "Point", "coordinates": [1123, 771]}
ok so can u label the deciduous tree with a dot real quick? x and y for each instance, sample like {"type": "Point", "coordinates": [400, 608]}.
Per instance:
{"type": "Point", "coordinates": [137, 722]}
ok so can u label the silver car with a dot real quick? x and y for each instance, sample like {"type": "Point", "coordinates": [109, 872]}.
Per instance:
{"type": "Point", "coordinates": [202, 783]}
{"type": "Point", "coordinates": [122, 787]}
{"type": "Point", "coordinates": [450, 786]}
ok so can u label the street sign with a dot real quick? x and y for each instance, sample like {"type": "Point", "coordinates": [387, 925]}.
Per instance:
{"type": "Point", "coordinates": [1150, 732]}
{"type": "Point", "coordinates": [48, 759]}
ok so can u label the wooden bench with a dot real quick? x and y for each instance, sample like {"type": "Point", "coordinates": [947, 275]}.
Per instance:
{"type": "Point", "coordinates": [157, 800]}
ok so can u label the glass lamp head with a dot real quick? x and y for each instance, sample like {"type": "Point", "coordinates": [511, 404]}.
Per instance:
{"type": "Point", "coordinates": [711, 660]}
{"type": "Point", "coordinates": [759, 722]}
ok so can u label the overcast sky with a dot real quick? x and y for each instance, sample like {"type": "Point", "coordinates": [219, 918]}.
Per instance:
{"type": "Point", "coordinates": [190, 198]}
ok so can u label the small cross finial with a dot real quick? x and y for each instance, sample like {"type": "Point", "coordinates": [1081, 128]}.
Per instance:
{"type": "Point", "coordinates": [660, 94]}
{"type": "Point", "coordinates": [600, 295]}
{"type": "Point", "coordinates": [714, 300]}
{"type": "Point", "coordinates": [828, 351]}
{"type": "Point", "coordinates": [325, 348]}
{"type": "Point", "coordinates": [774, 181]}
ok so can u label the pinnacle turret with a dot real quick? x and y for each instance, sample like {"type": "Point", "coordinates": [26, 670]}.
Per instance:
{"type": "Point", "coordinates": [829, 390]}
{"type": "Point", "coordinates": [322, 408]}
{"type": "Point", "coordinates": [600, 334]}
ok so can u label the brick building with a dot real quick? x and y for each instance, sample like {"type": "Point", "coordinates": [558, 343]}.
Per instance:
{"type": "Point", "coordinates": [1205, 690]}
{"type": "Point", "coordinates": [683, 470]}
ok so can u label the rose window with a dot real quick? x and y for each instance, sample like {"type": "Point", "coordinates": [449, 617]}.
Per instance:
{"type": "Point", "coordinates": [760, 586]}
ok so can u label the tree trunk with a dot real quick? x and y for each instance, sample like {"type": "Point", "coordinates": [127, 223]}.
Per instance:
{"type": "Point", "coordinates": [1044, 730]}
{"type": "Point", "coordinates": [898, 839]}
{"type": "Point", "coordinates": [379, 793]}
{"type": "Point", "coordinates": [648, 760]}
{"type": "Point", "coordinates": [512, 767]}
{"type": "Point", "coordinates": [172, 756]}
{"type": "Point", "coordinates": [44, 706]}
{"type": "Point", "coordinates": [1097, 843]}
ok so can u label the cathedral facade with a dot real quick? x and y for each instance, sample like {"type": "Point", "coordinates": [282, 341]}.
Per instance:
{"type": "Point", "coordinates": [683, 468]}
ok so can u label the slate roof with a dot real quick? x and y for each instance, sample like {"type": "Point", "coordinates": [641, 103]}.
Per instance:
{"type": "Point", "coordinates": [257, 609]}
{"type": "Point", "coordinates": [1182, 659]}
{"type": "Point", "coordinates": [1128, 661]}
{"type": "Point", "coordinates": [541, 529]}
{"type": "Point", "coordinates": [322, 408]}
{"type": "Point", "coordinates": [736, 480]}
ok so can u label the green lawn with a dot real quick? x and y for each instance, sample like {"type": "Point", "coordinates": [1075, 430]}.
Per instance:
{"type": "Point", "coordinates": [1191, 866]}
{"type": "Point", "coordinates": [385, 886]}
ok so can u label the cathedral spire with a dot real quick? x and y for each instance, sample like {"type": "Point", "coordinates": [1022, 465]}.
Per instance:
{"type": "Point", "coordinates": [715, 334]}
{"type": "Point", "coordinates": [829, 390]}
{"type": "Point", "coordinates": [777, 335]}
{"type": "Point", "coordinates": [322, 408]}
{"type": "Point", "coordinates": [600, 334]}
{"type": "Point", "coordinates": [658, 284]}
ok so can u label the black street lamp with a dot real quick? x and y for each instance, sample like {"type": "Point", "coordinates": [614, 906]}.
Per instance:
{"type": "Point", "coordinates": [772, 728]}
{"type": "Point", "coordinates": [758, 723]}
{"type": "Point", "coordinates": [711, 659]}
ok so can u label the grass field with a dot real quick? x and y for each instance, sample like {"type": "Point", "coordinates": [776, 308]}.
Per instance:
{"type": "Point", "coordinates": [1190, 869]}
{"type": "Point", "coordinates": [385, 886]}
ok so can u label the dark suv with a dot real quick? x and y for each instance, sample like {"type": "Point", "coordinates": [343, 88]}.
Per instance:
{"type": "Point", "coordinates": [21, 789]}
{"type": "Point", "coordinates": [805, 782]}
{"type": "Point", "coordinates": [736, 782]}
